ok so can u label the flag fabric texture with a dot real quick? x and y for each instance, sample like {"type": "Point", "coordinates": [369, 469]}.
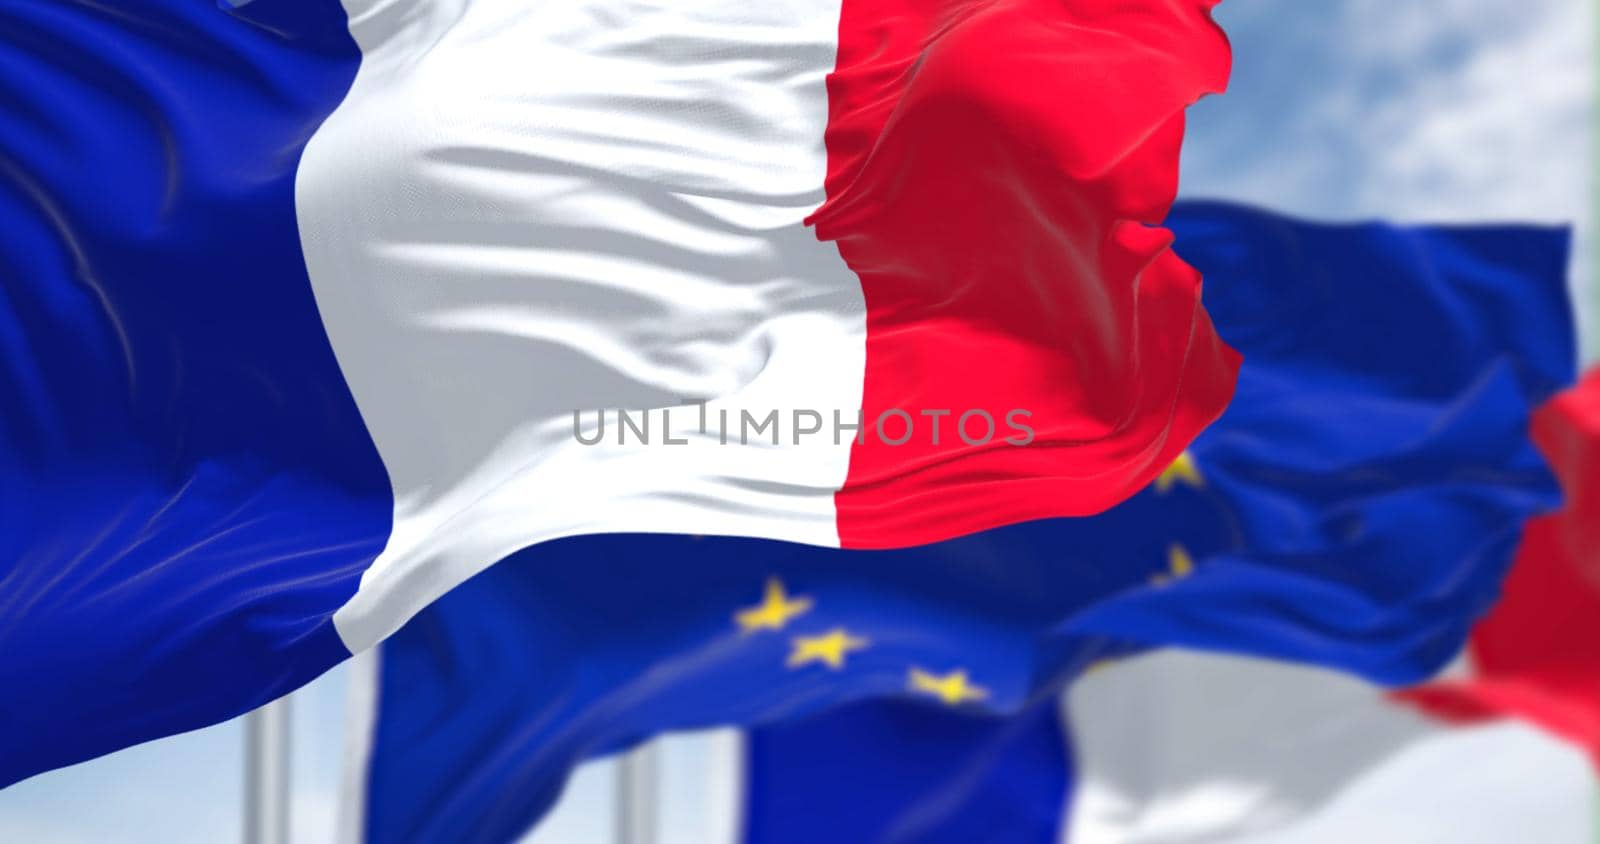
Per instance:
{"type": "Point", "coordinates": [1171, 747]}
{"type": "Point", "coordinates": [1537, 654]}
{"type": "Point", "coordinates": [312, 311]}
{"type": "Point", "coordinates": [1183, 748]}
{"type": "Point", "coordinates": [1268, 753]}
{"type": "Point", "coordinates": [895, 772]}
{"type": "Point", "coordinates": [1355, 508]}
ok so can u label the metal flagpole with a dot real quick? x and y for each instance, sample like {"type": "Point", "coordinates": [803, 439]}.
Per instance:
{"type": "Point", "coordinates": [637, 775]}
{"type": "Point", "coordinates": [266, 774]}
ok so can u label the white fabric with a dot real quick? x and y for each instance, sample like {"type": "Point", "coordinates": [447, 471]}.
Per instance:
{"type": "Point", "coordinates": [523, 209]}
{"type": "Point", "coordinates": [1184, 748]}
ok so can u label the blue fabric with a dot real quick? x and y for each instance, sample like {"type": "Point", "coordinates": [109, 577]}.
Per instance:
{"type": "Point", "coordinates": [899, 772]}
{"type": "Point", "coordinates": [1374, 467]}
{"type": "Point", "coordinates": [590, 643]}
{"type": "Point", "coordinates": [186, 489]}
{"type": "Point", "coordinates": [1356, 509]}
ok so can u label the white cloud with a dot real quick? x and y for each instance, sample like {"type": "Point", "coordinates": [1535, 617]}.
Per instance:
{"type": "Point", "coordinates": [1450, 110]}
{"type": "Point", "coordinates": [1490, 112]}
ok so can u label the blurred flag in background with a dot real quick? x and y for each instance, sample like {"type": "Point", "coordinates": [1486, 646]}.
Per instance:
{"type": "Point", "coordinates": [1355, 509]}
{"type": "Point", "coordinates": [1183, 748]}
{"type": "Point", "coordinates": [1536, 655]}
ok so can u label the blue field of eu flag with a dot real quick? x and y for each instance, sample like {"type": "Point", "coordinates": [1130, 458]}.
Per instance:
{"type": "Point", "coordinates": [1354, 508]}
{"type": "Point", "coordinates": [901, 771]}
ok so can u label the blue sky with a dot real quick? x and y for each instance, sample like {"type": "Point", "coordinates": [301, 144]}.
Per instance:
{"type": "Point", "coordinates": [1447, 110]}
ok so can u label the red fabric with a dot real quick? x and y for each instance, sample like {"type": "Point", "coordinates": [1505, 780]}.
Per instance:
{"type": "Point", "coordinates": [1536, 655]}
{"type": "Point", "coordinates": [994, 168]}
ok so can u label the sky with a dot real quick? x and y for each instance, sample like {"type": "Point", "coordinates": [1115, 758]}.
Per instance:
{"type": "Point", "coordinates": [1450, 110]}
{"type": "Point", "coordinates": [1445, 111]}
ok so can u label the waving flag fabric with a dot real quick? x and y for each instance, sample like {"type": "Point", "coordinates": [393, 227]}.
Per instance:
{"type": "Point", "coordinates": [1355, 508]}
{"type": "Point", "coordinates": [1267, 753]}
{"type": "Point", "coordinates": [1183, 748]}
{"type": "Point", "coordinates": [1537, 654]}
{"type": "Point", "coordinates": [314, 311]}
{"type": "Point", "coordinates": [1165, 748]}
{"type": "Point", "coordinates": [897, 772]}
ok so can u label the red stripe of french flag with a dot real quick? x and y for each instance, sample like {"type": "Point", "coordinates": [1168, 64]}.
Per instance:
{"type": "Point", "coordinates": [995, 170]}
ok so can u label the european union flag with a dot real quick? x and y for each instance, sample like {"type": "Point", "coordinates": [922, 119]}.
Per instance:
{"type": "Point", "coordinates": [1354, 508]}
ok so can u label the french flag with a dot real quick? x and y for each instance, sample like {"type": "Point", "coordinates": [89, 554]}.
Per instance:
{"type": "Point", "coordinates": [313, 311]}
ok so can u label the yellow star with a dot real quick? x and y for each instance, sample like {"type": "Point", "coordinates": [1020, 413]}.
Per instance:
{"type": "Point", "coordinates": [829, 648]}
{"type": "Point", "coordinates": [1183, 469]}
{"type": "Point", "coordinates": [776, 609]}
{"type": "Point", "coordinates": [1178, 561]}
{"type": "Point", "coordinates": [1179, 565]}
{"type": "Point", "coordinates": [952, 688]}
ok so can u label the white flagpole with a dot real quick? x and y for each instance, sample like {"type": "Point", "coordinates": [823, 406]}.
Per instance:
{"type": "Point", "coordinates": [266, 774]}
{"type": "Point", "coordinates": [638, 773]}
